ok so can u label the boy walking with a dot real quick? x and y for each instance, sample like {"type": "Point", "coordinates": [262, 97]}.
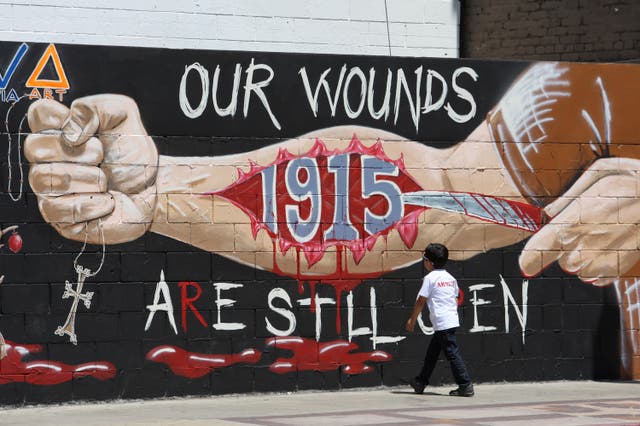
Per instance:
{"type": "Point", "coordinates": [440, 292]}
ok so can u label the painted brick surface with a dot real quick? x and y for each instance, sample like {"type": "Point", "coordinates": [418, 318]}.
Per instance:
{"type": "Point", "coordinates": [227, 288]}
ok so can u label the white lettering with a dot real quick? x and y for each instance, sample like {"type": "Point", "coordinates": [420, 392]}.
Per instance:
{"type": "Point", "coordinates": [219, 325]}
{"type": "Point", "coordinates": [384, 109]}
{"type": "Point", "coordinates": [414, 106]}
{"type": "Point", "coordinates": [423, 327]}
{"type": "Point", "coordinates": [319, 301]}
{"type": "Point", "coordinates": [362, 331]}
{"type": "Point", "coordinates": [233, 103]}
{"type": "Point", "coordinates": [475, 301]}
{"type": "Point", "coordinates": [428, 105]}
{"type": "Point", "coordinates": [521, 314]}
{"type": "Point", "coordinates": [256, 87]}
{"type": "Point", "coordinates": [363, 92]}
{"type": "Point", "coordinates": [374, 322]}
{"type": "Point", "coordinates": [313, 98]}
{"type": "Point", "coordinates": [281, 294]}
{"type": "Point", "coordinates": [404, 95]}
{"type": "Point", "coordinates": [161, 289]}
{"type": "Point", "coordinates": [464, 94]}
{"type": "Point", "coordinates": [185, 106]}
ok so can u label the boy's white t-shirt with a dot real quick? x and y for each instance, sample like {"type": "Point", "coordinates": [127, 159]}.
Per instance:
{"type": "Point", "coordinates": [441, 291]}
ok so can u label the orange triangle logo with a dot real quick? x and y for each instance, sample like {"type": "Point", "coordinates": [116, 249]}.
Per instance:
{"type": "Point", "coordinates": [34, 79]}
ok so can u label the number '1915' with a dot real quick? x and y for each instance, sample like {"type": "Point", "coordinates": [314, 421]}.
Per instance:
{"type": "Point", "coordinates": [302, 178]}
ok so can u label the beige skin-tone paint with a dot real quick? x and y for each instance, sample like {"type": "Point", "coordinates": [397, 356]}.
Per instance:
{"type": "Point", "coordinates": [111, 176]}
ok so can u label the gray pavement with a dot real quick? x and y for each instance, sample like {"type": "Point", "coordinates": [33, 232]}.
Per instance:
{"type": "Point", "coordinates": [550, 403]}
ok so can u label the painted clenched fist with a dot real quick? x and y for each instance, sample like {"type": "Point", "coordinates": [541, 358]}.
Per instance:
{"type": "Point", "coordinates": [93, 168]}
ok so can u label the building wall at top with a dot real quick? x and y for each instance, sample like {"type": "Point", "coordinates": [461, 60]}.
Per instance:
{"type": "Point", "coordinates": [567, 30]}
{"type": "Point", "coordinates": [362, 27]}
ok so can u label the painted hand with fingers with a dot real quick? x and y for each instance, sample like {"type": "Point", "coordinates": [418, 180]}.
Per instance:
{"type": "Point", "coordinates": [567, 135]}
{"type": "Point", "coordinates": [93, 168]}
{"type": "Point", "coordinates": [594, 234]}
{"type": "Point", "coordinates": [594, 226]}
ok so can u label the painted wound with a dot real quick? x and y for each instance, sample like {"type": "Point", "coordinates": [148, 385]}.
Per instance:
{"type": "Point", "coordinates": [340, 198]}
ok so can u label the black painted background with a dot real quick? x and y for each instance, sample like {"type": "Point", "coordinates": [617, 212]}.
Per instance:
{"type": "Point", "coordinates": [571, 330]}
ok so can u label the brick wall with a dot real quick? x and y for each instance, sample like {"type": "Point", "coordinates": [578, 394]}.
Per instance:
{"type": "Point", "coordinates": [364, 27]}
{"type": "Point", "coordinates": [568, 30]}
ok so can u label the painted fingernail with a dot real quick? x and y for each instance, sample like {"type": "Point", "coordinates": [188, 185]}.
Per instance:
{"type": "Point", "coordinates": [71, 132]}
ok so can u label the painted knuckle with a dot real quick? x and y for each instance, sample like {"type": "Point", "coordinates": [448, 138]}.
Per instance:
{"type": "Point", "coordinates": [38, 148]}
{"type": "Point", "coordinates": [46, 114]}
{"type": "Point", "coordinates": [72, 178]}
{"type": "Point", "coordinates": [40, 178]}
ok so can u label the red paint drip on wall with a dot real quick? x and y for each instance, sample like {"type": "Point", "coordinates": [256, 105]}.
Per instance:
{"type": "Point", "coordinates": [193, 364]}
{"type": "Point", "coordinates": [323, 356]}
{"type": "Point", "coordinates": [46, 372]}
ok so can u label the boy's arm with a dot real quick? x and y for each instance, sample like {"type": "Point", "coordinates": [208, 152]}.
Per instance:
{"type": "Point", "coordinates": [417, 308]}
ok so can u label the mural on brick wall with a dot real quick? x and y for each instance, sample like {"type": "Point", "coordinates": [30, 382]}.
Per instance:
{"type": "Point", "coordinates": [188, 222]}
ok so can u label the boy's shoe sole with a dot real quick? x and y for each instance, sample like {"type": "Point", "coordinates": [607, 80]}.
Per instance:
{"type": "Point", "coordinates": [417, 385]}
{"type": "Point", "coordinates": [468, 391]}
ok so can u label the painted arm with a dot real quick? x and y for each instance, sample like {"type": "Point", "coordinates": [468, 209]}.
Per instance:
{"type": "Point", "coordinates": [185, 212]}
{"type": "Point", "coordinates": [97, 175]}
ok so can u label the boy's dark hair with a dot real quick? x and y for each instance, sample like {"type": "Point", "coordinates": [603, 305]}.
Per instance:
{"type": "Point", "coordinates": [437, 254]}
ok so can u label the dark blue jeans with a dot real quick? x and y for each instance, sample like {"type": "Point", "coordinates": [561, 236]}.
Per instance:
{"type": "Point", "coordinates": [445, 341]}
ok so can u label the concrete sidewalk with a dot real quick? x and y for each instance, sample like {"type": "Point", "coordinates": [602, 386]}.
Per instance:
{"type": "Point", "coordinates": [548, 403]}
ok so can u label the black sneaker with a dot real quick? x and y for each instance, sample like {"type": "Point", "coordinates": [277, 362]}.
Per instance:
{"type": "Point", "coordinates": [417, 385]}
{"type": "Point", "coordinates": [463, 391]}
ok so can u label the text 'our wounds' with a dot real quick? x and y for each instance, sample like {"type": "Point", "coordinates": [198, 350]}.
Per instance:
{"type": "Point", "coordinates": [381, 94]}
